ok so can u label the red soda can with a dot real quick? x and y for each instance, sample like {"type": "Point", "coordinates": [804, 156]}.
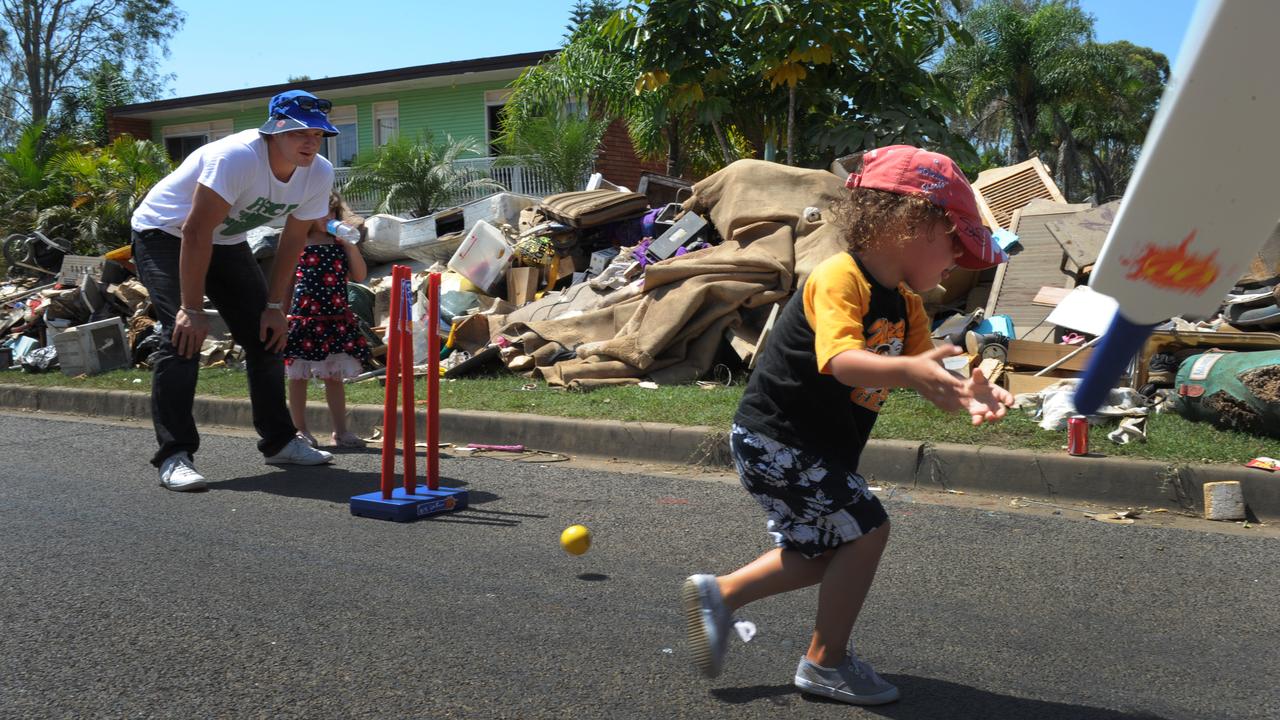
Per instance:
{"type": "Point", "coordinates": [1078, 435]}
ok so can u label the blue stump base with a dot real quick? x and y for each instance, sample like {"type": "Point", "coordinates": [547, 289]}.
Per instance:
{"type": "Point", "coordinates": [404, 507]}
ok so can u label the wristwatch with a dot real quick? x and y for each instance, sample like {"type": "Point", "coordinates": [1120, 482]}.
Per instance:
{"type": "Point", "coordinates": [275, 306]}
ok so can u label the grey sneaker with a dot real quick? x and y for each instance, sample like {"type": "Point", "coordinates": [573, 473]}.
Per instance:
{"type": "Point", "coordinates": [178, 473]}
{"type": "Point", "coordinates": [853, 682]}
{"type": "Point", "coordinates": [298, 452]}
{"type": "Point", "coordinates": [707, 623]}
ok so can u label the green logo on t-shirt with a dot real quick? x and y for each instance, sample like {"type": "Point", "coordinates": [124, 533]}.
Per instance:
{"type": "Point", "coordinates": [257, 214]}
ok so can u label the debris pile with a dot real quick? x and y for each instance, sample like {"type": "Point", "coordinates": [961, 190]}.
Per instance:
{"type": "Point", "coordinates": [679, 283]}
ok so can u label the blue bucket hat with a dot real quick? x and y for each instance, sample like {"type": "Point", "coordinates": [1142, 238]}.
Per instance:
{"type": "Point", "coordinates": [298, 110]}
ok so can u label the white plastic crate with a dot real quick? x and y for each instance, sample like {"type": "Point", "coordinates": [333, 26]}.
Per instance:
{"type": "Point", "coordinates": [483, 256]}
{"type": "Point", "coordinates": [93, 348]}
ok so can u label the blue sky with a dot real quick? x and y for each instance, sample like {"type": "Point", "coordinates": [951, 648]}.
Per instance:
{"type": "Point", "coordinates": [224, 46]}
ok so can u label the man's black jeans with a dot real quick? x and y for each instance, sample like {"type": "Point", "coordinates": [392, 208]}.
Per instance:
{"type": "Point", "coordinates": [238, 290]}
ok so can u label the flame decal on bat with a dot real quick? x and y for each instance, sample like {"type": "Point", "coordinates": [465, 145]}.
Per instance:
{"type": "Point", "coordinates": [1174, 268]}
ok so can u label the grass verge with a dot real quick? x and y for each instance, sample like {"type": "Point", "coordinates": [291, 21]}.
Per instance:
{"type": "Point", "coordinates": [906, 416]}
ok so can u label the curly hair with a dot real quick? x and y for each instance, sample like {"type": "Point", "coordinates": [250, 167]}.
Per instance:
{"type": "Point", "coordinates": [879, 218]}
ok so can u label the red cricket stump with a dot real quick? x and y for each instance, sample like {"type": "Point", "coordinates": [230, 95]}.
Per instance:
{"type": "Point", "coordinates": [411, 501]}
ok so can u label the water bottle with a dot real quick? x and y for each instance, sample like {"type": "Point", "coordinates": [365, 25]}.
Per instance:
{"type": "Point", "coordinates": [342, 231]}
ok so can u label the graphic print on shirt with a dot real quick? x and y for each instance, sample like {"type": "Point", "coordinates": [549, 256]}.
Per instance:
{"type": "Point", "coordinates": [884, 337]}
{"type": "Point", "coordinates": [256, 214]}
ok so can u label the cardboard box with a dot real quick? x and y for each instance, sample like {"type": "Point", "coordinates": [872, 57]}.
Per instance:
{"type": "Point", "coordinates": [1019, 383]}
{"type": "Point", "coordinates": [1032, 354]}
{"type": "Point", "coordinates": [522, 284]}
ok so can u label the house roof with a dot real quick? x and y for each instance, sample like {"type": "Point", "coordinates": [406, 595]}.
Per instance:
{"type": "Point", "coordinates": [502, 67]}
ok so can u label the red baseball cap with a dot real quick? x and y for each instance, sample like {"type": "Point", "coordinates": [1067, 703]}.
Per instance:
{"type": "Point", "coordinates": [908, 170]}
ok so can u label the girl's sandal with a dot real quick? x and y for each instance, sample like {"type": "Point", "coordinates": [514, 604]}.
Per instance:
{"type": "Point", "coordinates": [347, 440]}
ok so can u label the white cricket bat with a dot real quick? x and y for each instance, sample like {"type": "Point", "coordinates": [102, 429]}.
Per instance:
{"type": "Point", "coordinates": [1204, 195]}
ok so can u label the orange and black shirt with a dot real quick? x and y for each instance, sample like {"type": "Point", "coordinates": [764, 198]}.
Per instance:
{"type": "Point", "coordinates": [792, 396]}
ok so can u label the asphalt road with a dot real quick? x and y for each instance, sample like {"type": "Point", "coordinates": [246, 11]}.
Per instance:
{"type": "Point", "coordinates": [264, 598]}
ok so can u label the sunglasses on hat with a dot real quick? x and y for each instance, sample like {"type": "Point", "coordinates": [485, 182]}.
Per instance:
{"type": "Point", "coordinates": [312, 103]}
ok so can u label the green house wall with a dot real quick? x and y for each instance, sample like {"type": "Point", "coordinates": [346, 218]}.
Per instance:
{"type": "Point", "coordinates": [457, 111]}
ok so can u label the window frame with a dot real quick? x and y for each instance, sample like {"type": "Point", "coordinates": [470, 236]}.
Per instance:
{"type": "Point", "coordinates": [210, 130]}
{"type": "Point", "coordinates": [342, 115]}
{"type": "Point", "coordinates": [492, 99]}
{"type": "Point", "coordinates": [382, 111]}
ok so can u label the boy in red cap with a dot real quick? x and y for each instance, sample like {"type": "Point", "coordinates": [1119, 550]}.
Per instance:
{"type": "Point", "coordinates": [852, 331]}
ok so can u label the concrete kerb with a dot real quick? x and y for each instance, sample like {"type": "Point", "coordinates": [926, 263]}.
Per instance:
{"type": "Point", "coordinates": [1109, 482]}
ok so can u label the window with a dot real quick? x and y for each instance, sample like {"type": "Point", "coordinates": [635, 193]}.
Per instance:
{"type": "Point", "coordinates": [576, 108]}
{"type": "Point", "coordinates": [182, 140]}
{"type": "Point", "coordinates": [386, 122]}
{"type": "Point", "coordinates": [342, 150]}
{"type": "Point", "coordinates": [494, 101]}
{"type": "Point", "coordinates": [180, 146]}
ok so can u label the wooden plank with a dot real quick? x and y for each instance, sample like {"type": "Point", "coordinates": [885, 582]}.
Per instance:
{"type": "Point", "coordinates": [1050, 296]}
{"type": "Point", "coordinates": [1081, 236]}
{"type": "Point", "coordinates": [742, 341]}
{"type": "Point", "coordinates": [1028, 354]}
{"type": "Point", "coordinates": [992, 369]}
{"type": "Point", "coordinates": [1019, 383]}
{"type": "Point", "coordinates": [764, 335]}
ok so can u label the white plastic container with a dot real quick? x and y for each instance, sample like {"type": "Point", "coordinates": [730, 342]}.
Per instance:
{"type": "Point", "coordinates": [483, 256]}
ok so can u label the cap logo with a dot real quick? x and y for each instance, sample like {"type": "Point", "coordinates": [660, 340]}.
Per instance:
{"type": "Point", "coordinates": [939, 180]}
{"type": "Point", "coordinates": [280, 123]}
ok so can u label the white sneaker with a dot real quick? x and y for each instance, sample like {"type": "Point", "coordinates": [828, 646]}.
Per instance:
{"type": "Point", "coordinates": [707, 623]}
{"type": "Point", "coordinates": [298, 452]}
{"type": "Point", "coordinates": [178, 473]}
{"type": "Point", "coordinates": [853, 682]}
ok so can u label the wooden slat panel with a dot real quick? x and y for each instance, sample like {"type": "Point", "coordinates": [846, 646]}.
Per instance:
{"type": "Point", "coordinates": [1004, 190]}
{"type": "Point", "coordinates": [1027, 272]}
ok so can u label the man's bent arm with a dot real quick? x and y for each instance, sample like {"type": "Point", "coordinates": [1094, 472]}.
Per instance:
{"type": "Point", "coordinates": [208, 210]}
{"type": "Point", "coordinates": [292, 240]}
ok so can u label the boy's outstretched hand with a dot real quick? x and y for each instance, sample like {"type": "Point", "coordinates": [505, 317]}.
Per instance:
{"type": "Point", "coordinates": [985, 402]}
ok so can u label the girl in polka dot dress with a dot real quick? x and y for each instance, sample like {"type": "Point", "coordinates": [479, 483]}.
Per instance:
{"type": "Point", "coordinates": [324, 335]}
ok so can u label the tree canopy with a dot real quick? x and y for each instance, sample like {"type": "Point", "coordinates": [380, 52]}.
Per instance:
{"type": "Point", "coordinates": [705, 82]}
{"type": "Point", "coordinates": [50, 48]}
{"type": "Point", "coordinates": [1035, 83]}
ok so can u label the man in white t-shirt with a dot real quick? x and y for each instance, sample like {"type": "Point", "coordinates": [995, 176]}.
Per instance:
{"type": "Point", "coordinates": [189, 242]}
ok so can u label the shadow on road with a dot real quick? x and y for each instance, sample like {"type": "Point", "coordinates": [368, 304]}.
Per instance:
{"type": "Point", "coordinates": [337, 485]}
{"type": "Point", "coordinates": [932, 699]}
{"type": "Point", "coordinates": [325, 482]}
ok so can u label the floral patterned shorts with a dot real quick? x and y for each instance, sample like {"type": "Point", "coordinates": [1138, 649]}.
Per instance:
{"type": "Point", "coordinates": [813, 504]}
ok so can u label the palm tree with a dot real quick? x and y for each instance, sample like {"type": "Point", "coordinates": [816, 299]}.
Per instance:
{"type": "Point", "coordinates": [27, 184]}
{"type": "Point", "coordinates": [1022, 62]}
{"type": "Point", "coordinates": [1110, 113]}
{"type": "Point", "coordinates": [561, 147]}
{"type": "Point", "coordinates": [592, 72]}
{"type": "Point", "coordinates": [106, 184]}
{"type": "Point", "coordinates": [22, 179]}
{"type": "Point", "coordinates": [599, 69]}
{"type": "Point", "coordinates": [418, 178]}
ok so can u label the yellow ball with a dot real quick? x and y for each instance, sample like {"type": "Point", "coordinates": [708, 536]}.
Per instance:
{"type": "Point", "coordinates": [576, 539]}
